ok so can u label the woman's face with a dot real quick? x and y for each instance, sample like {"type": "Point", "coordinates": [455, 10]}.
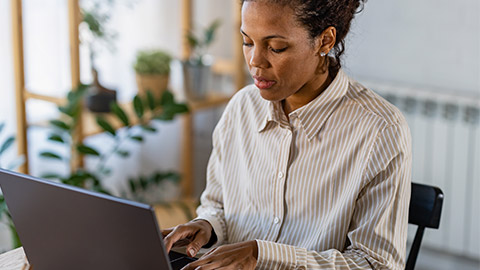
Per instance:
{"type": "Point", "coordinates": [279, 53]}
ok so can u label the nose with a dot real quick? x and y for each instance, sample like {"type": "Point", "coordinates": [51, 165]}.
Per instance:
{"type": "Point", "coordinates": [257, 59]}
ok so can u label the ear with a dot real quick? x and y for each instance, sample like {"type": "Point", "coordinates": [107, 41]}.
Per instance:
{"type": "Point", "coordinates": [326, 40]}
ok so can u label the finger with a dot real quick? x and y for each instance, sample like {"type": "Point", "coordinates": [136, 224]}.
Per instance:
{"type": "Point", "coordinates": [209, 252]}
{"type": "Point", "coordinates": [177, 234]}
{"type": "Point", "coordinates": [182, 242]}
{"type": "Point", "coordinates": [200, 239]}
{"type": "Point", "coordinates": [203, 265]}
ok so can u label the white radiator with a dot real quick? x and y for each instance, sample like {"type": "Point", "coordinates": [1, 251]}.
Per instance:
{"type": "Point", "coordinates": [446, 153]}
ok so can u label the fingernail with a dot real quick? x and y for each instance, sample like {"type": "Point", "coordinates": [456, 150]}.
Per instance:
{"type": "Point", "coordinates": [191, 252]}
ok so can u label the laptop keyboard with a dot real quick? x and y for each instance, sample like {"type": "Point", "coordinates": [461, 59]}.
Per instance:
{"type": "Point", "coordinates": [179, 260]}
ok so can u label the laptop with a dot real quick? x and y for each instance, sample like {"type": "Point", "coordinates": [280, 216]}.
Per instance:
{"type": "Point", "coordinates": [64, 227]}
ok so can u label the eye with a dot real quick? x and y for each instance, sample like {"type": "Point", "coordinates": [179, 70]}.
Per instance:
{"type": "Point", "coordinates": [278, 50]}
{"type": "Point", "coordinates": [247, 44]}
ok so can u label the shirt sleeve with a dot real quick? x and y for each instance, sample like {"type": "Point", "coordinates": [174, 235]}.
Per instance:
{"type": "Point", "coordinates": [211, 207]}
{"type": "Point", "coordinates": [378, 229]}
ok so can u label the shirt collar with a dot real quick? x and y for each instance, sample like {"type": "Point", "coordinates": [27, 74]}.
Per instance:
{"type": "Point", "coordinates": [313, 115]}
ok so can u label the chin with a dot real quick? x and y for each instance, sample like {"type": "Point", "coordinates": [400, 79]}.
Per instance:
{"type": "Point", "coordinates": [270, 95]}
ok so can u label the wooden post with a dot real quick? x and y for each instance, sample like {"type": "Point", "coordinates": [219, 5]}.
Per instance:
{"type": "Point", "coordinates": [18, 68]}
{"type": "Point", "coordinates": [74, 21]}
{"type": "Point", "coordinates": [186, 27]}
{"type": "Point", "coordinates": [239, 74]}
{"type": "Point", "coordinates": [187, 156]}
{"type": "Point", "coordinates": [187, 119]}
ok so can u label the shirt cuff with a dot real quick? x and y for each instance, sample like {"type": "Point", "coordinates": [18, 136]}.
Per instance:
{"type": "Point", "coordinates": [218, 229]}
{"type": "Point", "coordinates": [275, 256]}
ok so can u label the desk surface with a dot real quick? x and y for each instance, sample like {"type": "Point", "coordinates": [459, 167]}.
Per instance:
{"type": "Point", "coordinates": [14, 260]}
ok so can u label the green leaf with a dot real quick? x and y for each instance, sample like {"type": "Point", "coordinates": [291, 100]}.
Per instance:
{"type": "Point", "coordinates": [132, 185]}
{"type": "Point", "coordinates": [56, 138]}
{"type": "Point", "coordinates": [60, 124]}
{"type": "Point", "coordinates": [105, 125]}
{"type": "Point", "coordinates": [95, 180]}
{"type": "Point", "coordinates": [123, 153]}
{"type": "Point", "coordinates": [86, 150]}
{"type": "Point", "coordinates": [120, 114]}
{"type": "Point", "coordinates": [170, 111]}
{"type": "Point", "coordinates": [3, 206]}
{"type": "Point", "coordinates": [137, 138]}
{"type": "Point", "coordinates": [77, 179]}
{"type": "Point", "coordinates": [93, 22]}
{"type": "Point", "coordinates": [177, 108]}
{"type": "Point", "coordinates": [106, 171]}
{"type": "Point", "coordinates": [138, 106]}
{"type": "Point", "coordinates": [101, 190]}
{"type": "Point", "coordinates": [51, 176]}
{"type": "Point", "coordinates": [150, 100]}
{"type": "Point", "coordinates": [75, 95]}
{"type": "Point", "coordinates": [52, 155]}
{"type": "Point", "coordinates": [210, 32]}
{"type": "Point", "coordinates": [192, 40]}
{"type": "Point", "coordinates": [143, 182]}
{"type": "Point", "coordinates": [167, 99]}
{"type": "Point", "coordinates": [7, 144]}
{"type": "Point", "coordinates": [148, 128]}
{"type": "Point", "coordinates": [71, 109]}
{"type": "Point", "coordinates": [165, 116]}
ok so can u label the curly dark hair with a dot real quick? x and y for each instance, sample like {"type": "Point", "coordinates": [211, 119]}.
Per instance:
{"type": "Point", "coordinates": [318, 15]}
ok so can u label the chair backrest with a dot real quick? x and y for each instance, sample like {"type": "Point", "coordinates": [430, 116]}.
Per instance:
{"type": "Point", "coordinates": [425, 211]}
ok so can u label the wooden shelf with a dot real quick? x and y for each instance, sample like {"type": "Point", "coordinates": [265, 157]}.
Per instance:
{"type": "Point", "coordinates": [91, 128]}
{"type": "Point", "coordinates": [87, 125]}
{"type": "Point", "coordinates": [56, 100]}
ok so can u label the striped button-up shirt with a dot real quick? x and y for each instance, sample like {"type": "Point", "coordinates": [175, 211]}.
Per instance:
{"type": "Point", "coordinates": [326, 188]}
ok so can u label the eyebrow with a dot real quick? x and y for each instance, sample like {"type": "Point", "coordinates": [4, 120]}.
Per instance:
{"type": "Point", "coordinates": [265, 38]}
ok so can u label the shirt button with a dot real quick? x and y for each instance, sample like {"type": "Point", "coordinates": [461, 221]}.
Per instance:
{"type": "Point", "coordinates": [276, 220]}
{"type": "Point", "coordinates": [280, 174]}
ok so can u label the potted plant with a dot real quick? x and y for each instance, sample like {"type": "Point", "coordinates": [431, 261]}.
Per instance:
{"type": "Point", "coordinates": [152, 69]}
{"type": "Point", "coordinates": [197, 69]}
{"type": "Point", "coordinates": [96, 36]}
{"type": "Point", "coordinates": [133, 127]}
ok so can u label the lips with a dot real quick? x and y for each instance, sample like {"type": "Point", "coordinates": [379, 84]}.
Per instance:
{"type": "Point", "coordinates": [263, 83]}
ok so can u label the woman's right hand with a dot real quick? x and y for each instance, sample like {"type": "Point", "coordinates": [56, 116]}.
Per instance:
{"type": "Point", "coordinates": [194, 234]}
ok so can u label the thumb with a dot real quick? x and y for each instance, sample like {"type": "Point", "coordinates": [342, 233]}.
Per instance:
{"type": "Point", "coordinates": [201, 239]}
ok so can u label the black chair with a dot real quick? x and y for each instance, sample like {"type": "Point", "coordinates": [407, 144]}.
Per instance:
{"type": "Point", "coordinates": [425, 210]}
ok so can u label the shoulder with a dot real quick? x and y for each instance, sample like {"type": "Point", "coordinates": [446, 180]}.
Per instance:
{"type": "Point", "coordinates": [373, 105]}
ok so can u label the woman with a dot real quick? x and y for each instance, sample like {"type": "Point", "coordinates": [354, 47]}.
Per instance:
{"type": "Point", "coordinates": [309, 169]}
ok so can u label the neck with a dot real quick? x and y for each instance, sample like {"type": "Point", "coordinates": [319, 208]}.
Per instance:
{"type": "Point", "coordinates": [306, 93]}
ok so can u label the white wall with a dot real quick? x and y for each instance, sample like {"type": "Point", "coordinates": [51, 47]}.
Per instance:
{"type": "Point", "coordinates": [430, 43]}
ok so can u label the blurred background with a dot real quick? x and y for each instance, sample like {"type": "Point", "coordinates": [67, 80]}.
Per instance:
{"type": "Point", "coordinates": [423, 56]}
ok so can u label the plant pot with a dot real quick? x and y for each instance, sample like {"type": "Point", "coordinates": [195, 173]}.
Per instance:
{"type": "Point", "coordinates": [155, 83]}
{"type": "Point", "coordinates": [99, 98]}
{"type": "Point", "coordinates": [196, 80]}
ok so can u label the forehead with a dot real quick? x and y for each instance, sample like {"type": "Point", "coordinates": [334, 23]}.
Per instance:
{"type": "Point", "coordinates": [262, 18]}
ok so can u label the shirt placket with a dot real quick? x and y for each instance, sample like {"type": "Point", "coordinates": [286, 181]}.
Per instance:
{"type": "Point", "coordinates": [278, 214]}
